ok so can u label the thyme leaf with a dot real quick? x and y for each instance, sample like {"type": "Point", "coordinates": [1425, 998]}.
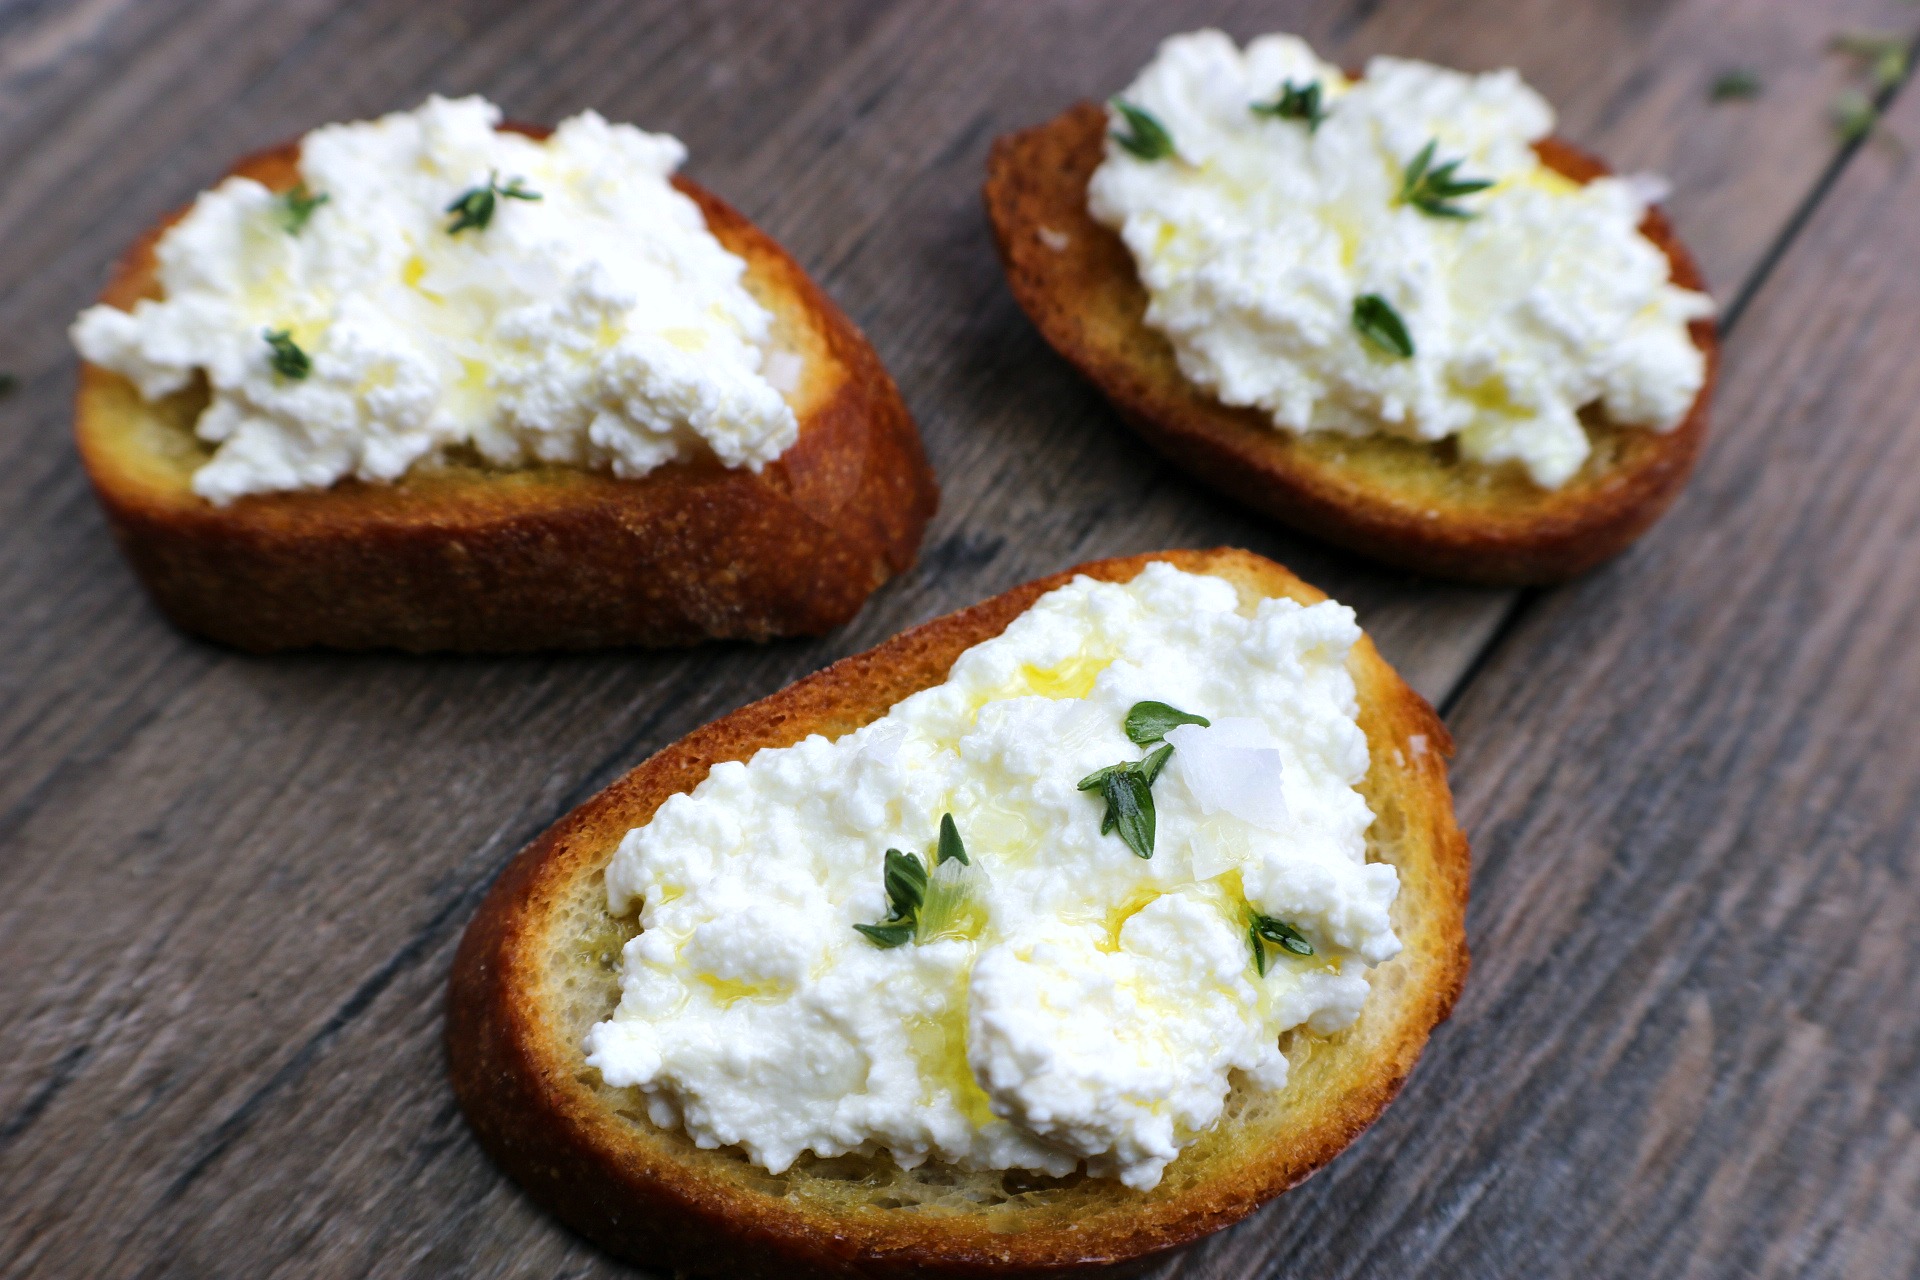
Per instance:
{"type": "Point", "coordinates": [1129, 799]}
{"type": "Point", "coordinates": [1145, 137]}
{"type": "Point", "coordinates": [887, 935]}
{"type": "Point", "coordinates": [951, 849]}
{"type": "Point", "coordinates": [1150, 721]}
{"type": "Point", "coordinates": [288, 360]}
{"type": "Point", "coordinates": [1262, 929]}
{"type": "Point", "coordinates": [905, 878]}
{"type": "Point", "coordinates": [1377, 322]}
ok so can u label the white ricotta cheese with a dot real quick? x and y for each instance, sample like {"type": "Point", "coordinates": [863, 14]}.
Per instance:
{"type": "Point", "coordinates": [601, 325]}
{"type": "Point", "coordinates": [1257, 236]}
{"type": "Point", "coordinates": [1091, 1006]}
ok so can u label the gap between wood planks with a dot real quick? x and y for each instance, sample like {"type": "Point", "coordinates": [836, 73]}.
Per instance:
{"type": "Point", "coordinates": [1527, 597]}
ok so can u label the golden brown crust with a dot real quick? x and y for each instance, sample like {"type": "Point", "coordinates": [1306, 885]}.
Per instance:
{"type": "Point", "coordinates": [651, 1196]}
{"type": "Point", "coordinates": [1410, 504]}
{"type": "Point", "coordinates": [470, 558]}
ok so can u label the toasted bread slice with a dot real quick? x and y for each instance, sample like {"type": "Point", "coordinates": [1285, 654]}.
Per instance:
{"type": "Point", "coordinates": [540, 964]}
{"type": "Point", "coordinates": [468, 557]}
{"type": "Point", "coordinates": [1412, 504]}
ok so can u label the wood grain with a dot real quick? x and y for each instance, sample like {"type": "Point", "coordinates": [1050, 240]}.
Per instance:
{"type": "Point", "coordinates": [229, 888]}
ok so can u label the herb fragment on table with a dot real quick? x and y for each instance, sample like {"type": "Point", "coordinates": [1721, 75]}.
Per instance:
{"type": "Point", "coordinates": [474, 207]}
{"type": "Point", "coordinates": [1145, 137]}
{"type": "Point", "coordinates": [1127, 787]}
{"type": "Point", "coordinates": [1886, 57]}
{"type": "Point", "coordinates": [1296, 102]}
{"type": "Point", "coordinates": [9, 383]}
{"type": "Point", "coordinates": [288, 360]}
{"type": "Point", "coordinates": [1263, 929]}
{"type": "Point", "coordinates": [297, 206]}
{"type": "Point", "coordinates": [1376, 321]}
{"type": "Point", "coordinates": [1737, 85]}
{"type": "Point", "coordinates": [1853, 115]}
{"type": "Point", "coordinates": [1428, 187]}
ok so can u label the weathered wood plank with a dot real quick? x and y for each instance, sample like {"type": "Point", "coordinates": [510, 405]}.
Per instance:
{"type": "Point", "coordinates": [232, 1066]}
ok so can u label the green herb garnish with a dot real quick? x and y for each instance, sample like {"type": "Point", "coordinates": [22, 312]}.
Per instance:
{"type": "Point", "coordinates": [1736, 85]}
{"type": "Point", "coordinates": [888, 935]}
{"type": "Point", "coordinates": [475, 206]}
{"type": "Point", "coordinates": [922, 905]}
{"type": "Point", "coordinates": [1145, 137]}
{"type": "Point", "coordinates": [1853, 115]}
{"type": "Point", "coordinates": [297, 205]}
{"type": "Point", "coordinates": [951, 850]}
{"type": "Point", "coordinates": [1149, 722]}
{"type": "Point", "coordinates": [9, 383]}
{"type": "Point", "coordinates": [1427, 186]}
{"type": "Point", "coordinates": [288, 360]}
{"type": "Point", "coordinates": [1127, 787]}
{"type": "Point", "coordinates": [1886, 57]}
{"type": "Point", "coordinates": [1264, 929]}
{"type": "Point", "coordinates": [1296, 102]}
{"type": "Point", "coordinates": [1381, 325]}
{"type": "Point", "coordinates": [905, 878]}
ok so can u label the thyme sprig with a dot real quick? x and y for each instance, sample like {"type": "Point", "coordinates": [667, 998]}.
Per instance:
{"type": "Point", "coordinates": [1145, 137]}
{"type": "Point", "coordinates": [1264, 929]}
{"type": "Point", "coordinates": [915, 898]}
{"type": "Point", "coordinates": [474, 207]}
{"type": "Point", "coordinates": [1296, 102]}
{"type": "Point", "coordinates": [1127, 787]}
{"type": "Point", "coordinates": [297, 206]}
{"type": "Point", "coordinates": [1428, 186]}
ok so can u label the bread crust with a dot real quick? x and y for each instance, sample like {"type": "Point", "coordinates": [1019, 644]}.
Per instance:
{"type": "Point", "coordinates": [466, 557]}
{"type": "Point", "coordinates": [651, 1196]}
{"type": "Point", "coordinates": [1411, 504]}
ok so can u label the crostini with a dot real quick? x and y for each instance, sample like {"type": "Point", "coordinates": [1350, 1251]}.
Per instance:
{"type": "Point", "coordinates": [342, 473]}
{"type": "Point", "coordinates": [1255, 310]}
{"type": "Point", "coordinates": [685, 1093]}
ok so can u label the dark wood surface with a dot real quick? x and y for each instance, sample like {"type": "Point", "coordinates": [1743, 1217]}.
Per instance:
{"type": "Point", "coordinates": [230, 886]}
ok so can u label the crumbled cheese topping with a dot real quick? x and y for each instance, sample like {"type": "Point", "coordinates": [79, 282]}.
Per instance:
{"type": "Point", "coordinates": [601, 325]}
{"type": "Point", "coordinates": [1258, 235]}
{"type": "Point", "coordinates": [1087, 1005]}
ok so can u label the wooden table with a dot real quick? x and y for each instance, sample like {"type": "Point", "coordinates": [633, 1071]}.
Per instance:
{"type": "Point", "coordinates": [231, 886]}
